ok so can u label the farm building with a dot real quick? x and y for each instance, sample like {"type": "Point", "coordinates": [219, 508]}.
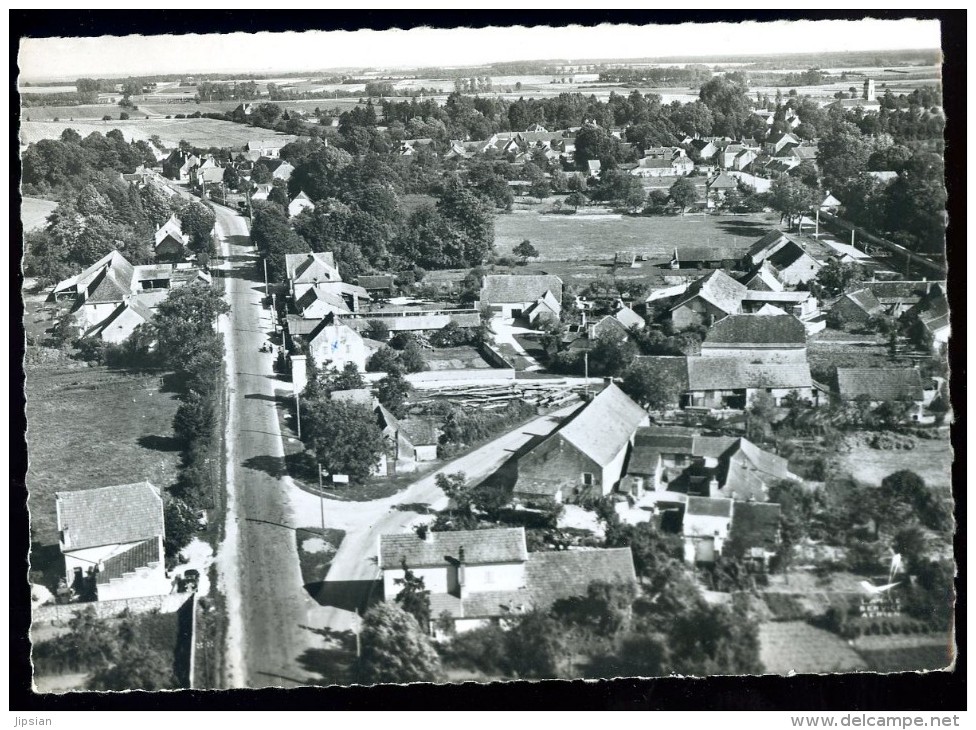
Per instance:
{"type": "Point", "coordinates": [877, 385]}
{"type": "Point", "coordinates": [409, 441]}
{"type": "Point", "coordinates": [705, 528]}
{"type": "Point", "coordinates": [481, 577]}
{"type": "Point", "coordinates": [585, 457]}
{"type": "Point", "coordinates": [858, 306]}
{"type": "Point", "coordinates": [121, 323]}
{"type": "Point", "coordinates": [169, 240]}
{"type": "Point", "coordinates": [708, 300]}
{"type": "Point", "coordinates": [112, 541]}
{"type": "Point", "coordinates": [757, 338]}
{"type": "Point", "coordinates": [510, 295]}
{"type": "Point", "coordinates": [382, 286]}
{"type": "Point", "coordinates": [703, 257]}
{"type": "Point", "coordinates": [178, 164]}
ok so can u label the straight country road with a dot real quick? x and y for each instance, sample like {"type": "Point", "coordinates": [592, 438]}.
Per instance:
{"type": "Point", "coordinates": [277, 632]}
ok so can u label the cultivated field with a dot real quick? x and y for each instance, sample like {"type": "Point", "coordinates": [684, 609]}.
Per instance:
{"type": "Point", "coordinates": [34, 212]}
{"type": "Point", "coordinates": [930, 459]}
{"type": "Point", "coordinates": [94, 427]}
{"type": "Point", "coordinates": [198, 132]}
{"type": "Point", "coordinates": [597, 237]}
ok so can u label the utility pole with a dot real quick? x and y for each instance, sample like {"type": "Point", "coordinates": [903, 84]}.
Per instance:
{"type": "Point", "coordinates": [265, 261]}
{"type": "Point", "coordinates": [298, 416]}
{"type": "Point", "coordinates": [321, 498]}
{"type": "Point", "coordinates": [586, 371]}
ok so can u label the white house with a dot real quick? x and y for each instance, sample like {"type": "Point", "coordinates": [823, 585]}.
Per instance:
{"type": "Point", "coordinates": [112, 540]}
{"type": "Point", "coordinates": [299, 203]}
{"type": "Point", "coordinates": [706, 527]}
{"type": "Point", "coordinates": [510, 296]}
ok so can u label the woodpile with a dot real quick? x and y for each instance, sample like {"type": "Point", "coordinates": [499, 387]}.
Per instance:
{"type": "Point", "coordinates": [544, 394]}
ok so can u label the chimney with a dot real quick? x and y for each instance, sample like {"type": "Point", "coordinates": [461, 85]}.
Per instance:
{"type": "Point", "coordinates": [713, 487]}
{"type": "Point", "coordinates": [462, 589]}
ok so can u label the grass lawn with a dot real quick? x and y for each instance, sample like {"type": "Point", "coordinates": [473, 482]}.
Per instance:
{"type": "Point", "coordinates": [930, 459]}
{"type": "Point", "coordinates": [905, 653]}
{"type": "Point", "coordinates": [316, 548]}
{"type": "Point", "coordinates": [198, 132]}
{"type": "Point", "coordinates": [94, 427]}
{"type": "Point", "coordinates": [589, 238]}
{"type": "Point", "coordinates": [454, 358]}
{"type": "Point", "coordinates": [34, 212]}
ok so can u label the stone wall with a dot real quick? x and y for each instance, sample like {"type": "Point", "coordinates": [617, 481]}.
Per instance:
{"type": "Point", "coordinates": [56, 614]}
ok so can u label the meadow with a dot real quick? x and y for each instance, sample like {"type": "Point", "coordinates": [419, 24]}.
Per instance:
{"type": "Point", "coordinates": [582, 237]}
{"type": "Point", "coordinates": [94, 427]}
{"type": "Point", "coordinates": [34, 212]}
{"type": "Point", "coordinates": [198, 132]}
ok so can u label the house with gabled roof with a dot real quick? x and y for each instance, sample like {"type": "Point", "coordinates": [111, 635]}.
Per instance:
{"type": "Point", "coordinates": [684, 462]}
{"type": "Point", "coordinates": [170, 241]}
{"type": "Point", "coordinates": [585, 456]}
{"type": "Point", "coordinates": [858, 306]}
{"type": "Point", "coordinates": [763, 278]}
{"type": "Point", "coordinates": [112, 541]}
{"type": "Point", "coordinates": [332, 344]}
{"type": "Point", "coordinates": [776, 142]}
{"type": "Point", "coordinates": [511, 295]}
{"type": "Point", "coordinates": [121, 323]}
{"type": "Point", "coordinates": [306, 270]}
{"type": "Point", "coordinates": [317, 302]}
{"type": "Point", "coordinates": [718, 187]}
{"type": "Point", "coordinates": [794, 265]}
{"type": "Point", "coordinates": [178, 164]}
{"type": "Point", "coordinates": [757, 338]}
{"type": "Point", "coordinates": [707, 300]}
{"type": "Point", "coordinates": [301, 202]}
{"type": "Point", "coordinates": [705, 528]}
{"type": "Point", "coordinates": [482, 577]}
{"type": "Point", "coordinates": [409, 440]}
{"type": "Point", "coordinates": [771, 242]}
{"type": "Point", "coordinates": [545, 309]}
{"type": "Point", "coordinates": [267, 147]}
{"type": "Point", "coordinates": [801, 304]}
{"type": "Point", "coordinates": [932, 314]}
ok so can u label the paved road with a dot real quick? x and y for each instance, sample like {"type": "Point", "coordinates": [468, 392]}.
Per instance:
{"type": "Point", "coordinates": [267, 604]}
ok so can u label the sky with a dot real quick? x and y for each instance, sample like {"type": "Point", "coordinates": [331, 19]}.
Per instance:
{"type": "Point", "coordinates": [106, 56]}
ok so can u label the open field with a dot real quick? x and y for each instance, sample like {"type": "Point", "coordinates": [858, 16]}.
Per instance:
{"type": "Point", "coordinates": [581, 237]}
{"type": "Point", "coordinates": [94, 427]}
{"type": "Point", "coordinates": [905, 653]}
{"type": "Point", "coordinates": [198, 132]}
{"type": "Point", "coordinates": [34, 212]}
{"type": "Point", "coordinates": [454, 358]}
{"type": "Point", "coordinates": [930, 459]}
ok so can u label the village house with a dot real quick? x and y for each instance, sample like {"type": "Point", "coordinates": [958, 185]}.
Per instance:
{"type": "Point", "coordinates": [874, 386]}
{"type": "Point", "coordinates": [301, 202]}
{"type": "Point", "coordinates": [658, 167]}
{"type": "Point", "coordinates": [178, 164]}
{"type": "Point", "coordinates": [708, 300]}
{"type": "Point", "coordinates": [482, 577]}
{"type": "Point", "coordinates": [718, 527]}
{"type": "Point", "coordinates": [509, 296]}
{"type": "Point", "coordinates": [757, 338]}
{"type": "Point", "coordinates": [763, 278]}
{"type": "Point", "coordinates": [788, 257]}
{"type": "Point", "coordinates": [112, 281]}
{"type": "Point", "coordinates": [705, 528]}
{"type": "Point", "coordinates": [702, 257]}
{"type": "Point", "coordinates": [112, 541]}
{"type": "Point", "coordinates": [732, 382]}
{"type": "Point", "coordinates": [119, 326]}
{"type": "Point", "coordinates": [671, 462]}
{"type": "Point", "coordinates": [718, 187]}
{"type": "Point", "coordinates": [318, 270]}
{"type": "Point", "coordinates": [585, 456]}
{"type": "Point", "coordinates": [931, 313]}
{"type": "Point", "coordinates": [317, 302]}
{"type": "Point", "coordinates": [378, 286]}
{"type": "Point", "coordinates": [266, 147]}
{"type": "Point", "coordinates": [801, 304]}
{"type": "Point", "coordinates": [208, 172]}
{"type": "Point", "coordinates": [776, 142]}
{"type": "Point", "coordinates": [544, 310]}
{"type": "Point", "coordinates": [333, 344]}
{"type": "Point", "coordinates": [899, 297]}
{"type": "Point", "coordinates": [170, 241]}
{"type": "Point", "coordinates": [857, 307]}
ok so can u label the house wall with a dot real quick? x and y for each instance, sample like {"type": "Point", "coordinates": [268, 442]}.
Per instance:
{"type": "Point", "coordinates": [350, 348]}
{"type": "Point", "coordinates": [426, 453]}
{"type": "Point", "coordinates": [753, 352]}
{"type": "Point", "coordinates": [778, 394]}
{"type": "Point", "coordinates": [850, 311]}
{"type": "Point", "coordinates": [477, 578]}
{"type": "Point", "coordinates": [435, 580]}
{"type": "Point", "coordinates": [144, 582]}
{"type": "Point", "coordinates": [88, 558]}
{"type": "Point", "coordinates": [557, 461]}
{"type": "Point", "coordinates": [122, 328]}
{"type": "Point", "coordinates": [92, 314]}
{"type": "Point", "coordinates": [169, 249]}
{"type": "Point", "coordinates": [696, 312]}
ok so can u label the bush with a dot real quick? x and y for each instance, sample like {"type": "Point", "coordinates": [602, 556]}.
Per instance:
{"type": "Point", "coordinates": [452, 335]}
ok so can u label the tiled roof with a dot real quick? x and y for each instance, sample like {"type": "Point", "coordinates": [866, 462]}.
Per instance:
{"type": "Point", "coordinates": [768, 243]}
{"type": "Point", "coordinates": [553, 575]}
{"type": "Point", "coordinates": [605, 425]}
{"type": "Point", "coordinates": [722, 182]}
{"type": "Point", "coordinates": [865, 299]}
{"type": "Point", "coordinates": [139, 555]}
{"type": "Point", "coordinates": [707, 253]}
{"type": "Point", "coordinates": [709, 506]}
{"type": "Point", "coordinates": [510, 288]}
{"type": "Point", "coordinates": [730, 373]}
{"type": "Point", "coordinates": [314, 294]}
{"type": "Point", "coordinates": [791, 297]}
{"type": "Point", "coordinates": [880, 384]}
{"type": "Point", "coordinates": [763, 278]}
{"type": "Point", "coordinates": [629, 318]}
{"type": "Point", "coordinates": [311, 267]}
{"type": "Point", "coordinates": [480, 604]}
{"type": "Point", "coordinates": [110, 515]}
{"type": "Point", "coordinates": [376, 281]}
{"type": "Point", "coordinates": [787, 255]}
{"type": "Point", "coordinates": [481, 547]}
{"type": "Point", "coordinates": [420, 431]}
{"type": "Point", "coordinates": [751, 329]}
{"type": "Point", "coordinates": [113, 284]}
{"type": "Point", "coordinates": [718, 289]}
{"type": "Point", "coordinates": [652, 441]}
{"type": "Point", "coordinates": [901, 290]}
{"type": "Point", "coordinates": [130, 307]}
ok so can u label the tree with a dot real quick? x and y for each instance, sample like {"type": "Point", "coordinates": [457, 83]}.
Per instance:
{"type": "Point", "coordinates": [610, 355]}
{"type": "Point", "coordinates": [727, 97]}
{"type": "Point", "coordinates": [791, 198]}
{"type": "Point", "coordinates": [198, 221]}
{"type": "Point", "coordinates": [180, 525]}
{"type": "Point", "coordinates": [393, 390]}
{"type": "Point", "coordinates": [394, 649]}
{"type": "Point", "coordinates": [525, 250]}
{"type": "Point", "coordinates": [842, 154]}
{"type": "Point", "coordinates": [376, 330]}
{"type": "Point", "coordinates": [413, 597]}
{"type": "Point", "coordinates": [536, 646]}
{"type": "Point", "coordinates": [576, 199]}
{"type": "Point", "coordinates": [760, 415]}
{"type": "Point", "coordinates": [137, 667]}
{"type": "Point", "coordinates": [653, 387]}
{"type": "Point", "coordinates": [836, 277]}
{"type": "Point", "coordinates": [683, 193]}
{"type": "Point", "coordinates": [343, 436]}
{"type": "Point", "coordinates": [184, 322]}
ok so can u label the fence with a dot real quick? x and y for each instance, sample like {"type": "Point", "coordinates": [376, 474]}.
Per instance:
{"type": "Point", "coordinates": [494, 357]}
{"type": "Point", "coordinates": [431, 378]}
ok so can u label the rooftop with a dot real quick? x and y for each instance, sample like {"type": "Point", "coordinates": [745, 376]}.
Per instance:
{"type": "Point", "coordinates": [481, 547]}
{"type": "Point", "coordinates": [880, 384]}
{"type": "Point", "coordinates": [109, 515]}
{"type": "Point", "coordinates": [512, 288]}
{"type": "Point", "coordinates": [605, 425]}
{"type": "Point", "coordinates": [756, 329]}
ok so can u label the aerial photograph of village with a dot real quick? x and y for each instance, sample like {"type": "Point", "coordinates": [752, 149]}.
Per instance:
{"type": "Point", "coordinates": [351, 368]}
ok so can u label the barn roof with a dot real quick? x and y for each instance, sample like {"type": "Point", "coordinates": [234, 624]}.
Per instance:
{"type": "Point", "coordinates": [512, 288]}
{"type": "Point", "coordinates": [718, 289]}
{"type": "Point", "coordinates": [743, 329]}
{"type": "Point", "coordinates": [731, 373]}
{"type": "Point", "coordinates": [605, 425]}
{"type": "Point", "coordinates": [880, 384]}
